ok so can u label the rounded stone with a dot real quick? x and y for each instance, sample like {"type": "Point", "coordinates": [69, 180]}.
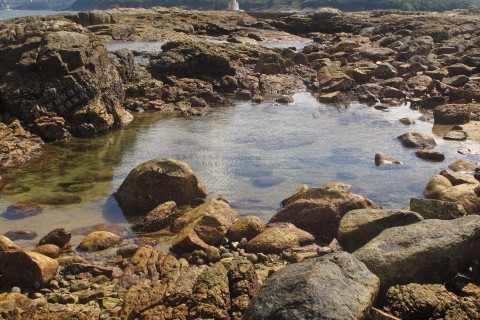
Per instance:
{"type": "Point", "coordinates": [49, 250]}
{"type": "Point", "coordinates": [22, 210]}
{"type": "Point", "coordinates": [59, 237]}
{"type": "Point", "coordinates": [99, 240]}
{"type": "Point", "coordinates": [245, 227]}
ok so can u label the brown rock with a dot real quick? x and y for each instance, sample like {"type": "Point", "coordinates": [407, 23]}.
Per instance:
{"type": "Point", "coordinates": [430, 155]}
{"type": "Point", "coordinates": [49, 250]}
{"type": "Point", "coordinates": [457, 178]}
{"type": "Point", "coordinates": [278, 237]}
{"type": "Point", "coordinates": [155, 182]}
{"type": "Point", "coordinates": [462, 165]}
{"type": "Point", "coordinates": [381, 159]}
{"type": "Point", "coordinates": [7, 245]}
{"type": "Point", "coordinates": [21, 235]}
{"type": "Point", "coordinates": [454, 113]}
{"type": "Point", "coordinates": [437, 209]}
{"type": "Point", "coordinates": [15, 306]}
{"type": "Point", "coordinates": [99, 240]}
{"type": "Point", "coordinates": [159, 218]}
{"type": "Point", "coordinates": [22, 210]}
{"type": "Point", "coordinates": [26, 269]}
{"type": "Point", "coordinates": [417, 140]}
{"type": "Point", "coordinates": [245, 227]}
{"type": "Point", "coordinates": [59, 237]}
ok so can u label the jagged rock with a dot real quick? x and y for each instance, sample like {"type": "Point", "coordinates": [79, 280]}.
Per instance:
{"type": "Point", "coordinates": [385, 70]}
{"type": "Point", "coordinates": [57, 79]}
{"type": "Point", "coordinates": [415, 251]}
{"type": "Point", "coordinates": [381, 159]}
{"type": "Point", "coordinates": [159, 218]}
{"type": "Point", "coordinates": [26, 269]}
{"type": "Point", "coordinates": [59, 237]}
{"type": "Point", "coordinates": [319, 210]}
{"type": "Point", "coordinates": [22, 210]}
{"type": "Point", "coordinates": [202, 226]}
{"type": "Point", "coordinates": [7, 245]}
{"type": "Point", "coordinates": [17, 146]}
{"type": "Point", "coordinates": [333, 97]}
{"type": "Point", "coordinates": [335, 286]}
{"type": "Point", "coordinates": [16, 306]}
{"type": "Point", "coordinates": [278, 237]}
{"type": "Point", "coordinates": [158, 181]}
{"type": "Point", "coordinates": [455, 113]}
{"type": "Point", "coordinates": [417, 140]}
{"type": "Point", "coordinates": [331, 78]}
{"type": "Point", "coordinates": [360, 226]}
{"type": "Point", "coordinates": [437, 209]}
{"type": "Point", "coordinates": [457, 178]}
{"type": "Point", "coordinates": [245, 227]}
{"type": "Point", "coordinates": [99, 240]}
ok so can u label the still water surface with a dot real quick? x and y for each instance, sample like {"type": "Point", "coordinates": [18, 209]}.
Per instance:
{"type": "Point", "coordinates": [253, 155]}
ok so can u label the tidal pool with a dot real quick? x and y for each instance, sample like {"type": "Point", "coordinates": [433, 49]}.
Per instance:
{"type": "Point", "coordinates": [254, 155]}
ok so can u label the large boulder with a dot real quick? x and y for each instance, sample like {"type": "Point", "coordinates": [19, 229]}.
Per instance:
{"type": "Point", "coordinates": [8, 245]}
{"type": "Point", "coordinates": [319, 210]}
{"type": "Point", "coordinates": [430, 251]}
{"type": "Point", "coordinates": [360, 226]}
{"type": "Point", "coordinates": [202, 226]}
{"type": "Point", "coordinates": [335, 286]}
{"type": "Point", "coordinates": [279, 237]}
{"type": "Point", "coordinates": [57, 79]}
{"type": "Point", "coordinates": [26, 269]}
{"type": "Point", "coordinates": [155, 182]}
{"type": "Point", "coordinates": [437, 209]}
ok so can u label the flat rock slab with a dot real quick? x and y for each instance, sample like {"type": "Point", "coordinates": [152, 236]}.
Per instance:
{"type": "Point", "coordinates": [335, 286]}
{"type": "Point", "coordinates": [430, 251]}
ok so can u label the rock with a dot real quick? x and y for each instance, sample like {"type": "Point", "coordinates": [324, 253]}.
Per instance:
{"type": "Point", "coordinates": [61, 75]}
{"type": "Point", "coordinates": [284, 99]}
{"type": "Point", "coordinates": [331, 78]}
{"type": "Point", "coordinates": [99, 240]}
{"type": "Point", "coordinates": [385, 70]}
{"type": "Point", "coordinates": [21, 235]}
{"type": "Point", "coordinates": [158, 181]}
{"type": "Point", "coordinates": [319, 210]}
{"type": "Point", "coordinates": [407, 121]}
{"type": "Point", "coordinates": [381, 159]}
{"type": "Point", "coordinates": [464, 194]}
{"type": "Point", "coordinates": [454, 113]}
{"type": "Point", "coordinates": [202, 226]}
{"type": "Point", "coordinates": [278, 237]}
{"type": "Point", "coordinates": [333, 97]}
{"type": "Point", "coordinates": [459, 69]}
{"type": "Point", "coordinates": [49, 250]}
{"type": "Point", "coordinates": [456, 135]}
{"type": "Point", "coordinates": [437, 209]}
{"type": "Point", "coordinates": [245, 227]}
{"type": "Point", "coordinates": [270, 64]}
{"type": "Point", "coordinates": [7, 245]}
{"type": "Point", "coordinates": [457, 178]}
{"type": "Point", "coordinates": [159, 218]}
{"type": "Point", "coordinates": [415, 251]}
{"type": "Point", "coordinates": [430, 155]}
{"type": "Point", "coordinates": [430, 301]}
{"type": "Point", "coordinates": [462, 165]}
{"type": "Point", "coordinates": [26, 269]}
{"type": "Point", "coordinates": [417, 140]}
{"type": "Point", "coordinates": [59, 237]}
{"type": "Point", "coordinates": [17, 146]}
{"type": "Point", "coordinates": [456, 81]}
{"type": "Point", "coordinates": [22, 210]}
{"type": "Point", "coordinates": [335, 286]}
{"type": "Point", "coordinates": [59, 199]}
{"type": "Point", "coordinates": [16, 306]}
{"type": "Point", "coordinates": [360, 226]}
{"type": "Point", "coordinates": [435, 186]}
{"type": "Point", "coordinates": [213, 254]}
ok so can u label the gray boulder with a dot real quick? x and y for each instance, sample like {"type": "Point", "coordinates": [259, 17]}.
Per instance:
{"type": "Point", "coordinates": [158, 181]}
{"type": "Point", "coordinates": [437, 209]}
{"type": "Point", "coordinates": [335, 286]}
{"type": "Point", "coordinates": [358, 227]}
{"type": "Point", "coordinates": [430, 251]}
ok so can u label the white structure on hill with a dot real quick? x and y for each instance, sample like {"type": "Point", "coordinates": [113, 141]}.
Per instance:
{"type": "Point", "coordinates": [233, 5]}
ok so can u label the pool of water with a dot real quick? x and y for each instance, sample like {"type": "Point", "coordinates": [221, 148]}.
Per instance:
{"type": "Point", "coordinates": [254, 155]}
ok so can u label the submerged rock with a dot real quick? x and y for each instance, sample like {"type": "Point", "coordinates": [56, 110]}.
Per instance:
{"type": "Point", "coordinates": [335, 286]}
{"type": "Point", "coordinates": [21, 235]}
{"type": "Point", "coordinates": [413, 253]}
{"type": "Point", "coordinates": [155, 182]}
{"type": "Point", "coordinates": [22, 210]}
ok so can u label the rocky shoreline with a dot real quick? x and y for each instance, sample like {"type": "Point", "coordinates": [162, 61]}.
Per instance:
{"type": "Point", "coordinates": [326, 244]}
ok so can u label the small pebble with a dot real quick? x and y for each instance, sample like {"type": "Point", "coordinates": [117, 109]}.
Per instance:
{"type": "Point", "coordinates": [54, 285]}
{"type": "Point", "coordinates": [37, 295]}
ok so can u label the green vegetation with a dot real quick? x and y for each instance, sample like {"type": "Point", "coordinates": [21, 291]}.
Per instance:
{"type": "Point", "coordinates": [345, 5]}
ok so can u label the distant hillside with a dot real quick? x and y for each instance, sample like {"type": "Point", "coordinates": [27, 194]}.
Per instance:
{"type": "Point", "coordinates": [345, 5]}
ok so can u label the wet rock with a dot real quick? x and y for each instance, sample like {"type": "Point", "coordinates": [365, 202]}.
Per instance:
{"type": "Point", "coordinates": [99, 240]}
{"type": "Point", "coordinates": [94, 269]}
{"type": "Point", "coordinates": [7, 245]}
{"type": "Point", "coordinates": [431, 155]}
{"type": "Point", "coordinates": [59, 199]}
{"type": "Point", "coordinates": [159, 218]}
{"type": "Point", "coordinates": [331, 78]}
{"type": "Point", "coordinates": [22, 210]}
{"type": "Point", "coordinates": [245, 227]}
{"type": "Point", "coordinates": [202, 226]}
{"type": "Point", "coordinates": [158, 181]}
{"type": "Point", "coordinates": [64, 86]}
{"type": "Point", "coordinates": [278, 237]}
{"type": "Point", "coordinates": [454, 113]}
{"type": "Point", "coordinates": [21, 235]}
{"type": "Point", "coordinates": [457, 178]}
{"type": "Point", "coordinates": [284, 100]}
{"type": "Point", "coordinates": [415, 251]}
{"type": "Point", "coordinates": [456, 135]}
{"type": "Point", "coordinates": [16, 306]}
{"type": "Point", "coordinates": [67, 260]}
{"type": "Point", "coordinates": [360, 226]}
{"type": "Point", "coordinates": [437, 209]}
{"type": "Point", "coordinates": [407, 121]}
{"type": "Point", "coordinates": [417, 140]}
{"type": "Point", "coordinates": [26, 269]}
{"type": "Point", "coordinates": [335, 286]}
{"type": "Point", "coordinates": [319, 210]}
{"type": "Point", "coordinates": [17, 146]}
{"type": "Point", "coordinates": [59, 237]}
{"type": "Point", "coordinates": [381, 159]}
{"type": "Point", "coordinates": [110, 227]}
{"type": "Point", "coordinates": [462, 165]}
{"type": "Point", "coordinates": [333, 97]}
{"type": "Point", "coordinates": [49, 250]}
